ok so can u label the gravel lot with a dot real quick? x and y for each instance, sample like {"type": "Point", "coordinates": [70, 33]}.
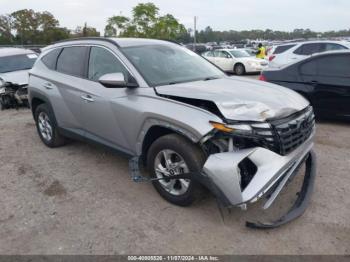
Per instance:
{"type": "Point", "coordinates": [79, 199]}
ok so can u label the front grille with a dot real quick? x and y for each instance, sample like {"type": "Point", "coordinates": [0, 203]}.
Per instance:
{"type": "Point", "coordinates": [284, 135]}
{"type": "Point", "coordinates": [294, 130]}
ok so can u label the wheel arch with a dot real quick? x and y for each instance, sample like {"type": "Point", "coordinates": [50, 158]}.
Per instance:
{"type": "Point", "coordinates": [37, 99]}
{"type": "Point", "coordinates": [238, 63]}
{"type": "Point", "coordinates": [151, 133]}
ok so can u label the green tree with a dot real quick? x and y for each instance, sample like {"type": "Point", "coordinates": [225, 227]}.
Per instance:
{"type": "Point", "coordinates": [5, 29]}
{"type": "Point", "coordinates": [26, 24]}
{"type": "Point", "coordinates": [85, 31]}
{"type": "Point", "coordinates": [146, 22]}
{"type": "Point", "coordinates": [145, 17]}
{"type": "Point", "coordinates": [116, 25]}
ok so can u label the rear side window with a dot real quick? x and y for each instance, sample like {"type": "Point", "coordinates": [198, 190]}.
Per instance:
{"type": "Point", "coordinates": [103, 62]}
{"type": "Point", "coordinates": [50, 58]}
{"type": "Point", "coordinates": [308, 49]}
{"type": "Point", "coordinates": [334, 66]}
{"type": "Point", "coordinates": [281, 49]}
{"type": "Point", "coordinates": [72, 61]}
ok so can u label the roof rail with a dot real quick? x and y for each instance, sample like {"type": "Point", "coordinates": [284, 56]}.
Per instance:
{"type": "Point", "coordinates": [88, 38]}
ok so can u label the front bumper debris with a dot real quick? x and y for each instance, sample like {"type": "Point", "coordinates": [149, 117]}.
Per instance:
{"type": "Point", "coordinates": [221, 175]}
{"type": "Point", "coordinates": [302, 202]}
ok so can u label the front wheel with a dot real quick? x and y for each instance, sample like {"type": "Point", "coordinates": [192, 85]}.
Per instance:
{"type": "Point", "coordinates": [173, 155]}
{"type": "Point", "coordinates": [239, 69]}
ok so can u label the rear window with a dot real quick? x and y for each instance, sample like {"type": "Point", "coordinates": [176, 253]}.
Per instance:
{"type": "Point", "coordinates": [50, 58]}
{"type": "Point", "coordinates": [72, 61]}
{"type": "Point", "coordinates": [282, 48]}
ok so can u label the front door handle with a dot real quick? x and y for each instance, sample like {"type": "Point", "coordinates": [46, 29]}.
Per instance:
{"type": "Point", "coordinates": [88, 98]}
{"type": "Point", "coordinates": [48, 85]}
{"type": "Point", "coordinates": [314, 82]}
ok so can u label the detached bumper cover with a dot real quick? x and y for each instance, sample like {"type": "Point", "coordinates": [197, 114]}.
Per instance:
{"type": "Point", "coordinates": [302, 202]}
{"type": "Point", "coordinates": [221, 173]}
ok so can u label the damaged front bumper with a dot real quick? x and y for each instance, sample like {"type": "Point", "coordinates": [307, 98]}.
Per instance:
{"type": "Point", "coordinates": [222, 175]}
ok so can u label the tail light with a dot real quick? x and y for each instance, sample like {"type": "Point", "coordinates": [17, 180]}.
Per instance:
{"type": "Point", "coordinates": [271, 57]}
{"type": "Point", "coordinates": [262, 78]}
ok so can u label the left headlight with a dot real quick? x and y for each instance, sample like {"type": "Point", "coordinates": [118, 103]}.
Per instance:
{"type": "Point", "coordinates": [234, 128]}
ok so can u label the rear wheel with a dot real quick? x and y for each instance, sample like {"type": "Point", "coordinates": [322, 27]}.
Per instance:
{"type": "Point", "coordinates": [239, 69]}
{"type": "Point", "coordinates": [173, 155]}
{"type": "Point", "coordinates": [47, 128]}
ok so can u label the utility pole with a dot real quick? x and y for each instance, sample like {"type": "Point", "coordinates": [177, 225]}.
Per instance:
{"type": "Point", "coordinates": [195, 34]}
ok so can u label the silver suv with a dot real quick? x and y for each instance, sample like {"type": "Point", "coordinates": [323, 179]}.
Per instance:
{"type": "Point", "coordinates": [193, 126]}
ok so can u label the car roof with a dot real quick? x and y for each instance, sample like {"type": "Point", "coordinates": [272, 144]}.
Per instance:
{"type": "Point", "coordinates": [120, 42]}
{"type": "Point", "coordinates": [343, 51]}
{"type": "Point", "coordinates": [315, 42]}
{"type": "Point", "coordinates": [10, 51]}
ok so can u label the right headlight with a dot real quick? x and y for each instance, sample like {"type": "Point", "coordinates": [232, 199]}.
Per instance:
{"type": "Point", "coordinates": [244, 129]}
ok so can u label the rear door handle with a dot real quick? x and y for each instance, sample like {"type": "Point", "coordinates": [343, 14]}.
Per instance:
{"type": "Point", "coordinates": [48, 85]}
{"type": "Point", "coordinates": [88, 98]}
{"type": "Point", "coordinates": [314, 82]}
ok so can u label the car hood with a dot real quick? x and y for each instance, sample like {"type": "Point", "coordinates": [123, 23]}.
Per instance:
{"type": "Point", "coordinates": [240, 98]}
{"type": "Point", "coordinates": [16, 77]}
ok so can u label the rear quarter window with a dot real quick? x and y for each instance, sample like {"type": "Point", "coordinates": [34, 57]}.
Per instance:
{"type": "Point", "coordinates": [50, 59]}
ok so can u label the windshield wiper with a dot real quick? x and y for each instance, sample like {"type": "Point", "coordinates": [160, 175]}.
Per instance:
{"type": "Point", "coordinates": [210, 78]}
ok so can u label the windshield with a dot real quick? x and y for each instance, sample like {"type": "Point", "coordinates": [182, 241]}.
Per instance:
{"type": "Point", "coordinates": [239, 53]}
{"type": "Point", "coordinates": [16, 62]}
{"type": "Point", "coordinates": [170, 64]}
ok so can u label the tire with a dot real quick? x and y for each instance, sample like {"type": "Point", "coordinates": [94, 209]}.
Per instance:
{"type": "Point", "coordinates": [239, 69]}
{"type": "Point", "coordinates": [50, 137]}
{"type": "Point", "coordinates": [193, 158]}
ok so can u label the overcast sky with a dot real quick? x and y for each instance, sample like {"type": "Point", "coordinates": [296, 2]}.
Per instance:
{"type": "Point", "coordinates": [318, 15]}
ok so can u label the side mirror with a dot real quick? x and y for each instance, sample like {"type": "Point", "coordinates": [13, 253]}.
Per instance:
{"type": "Point", "coordinates": [117, 80]}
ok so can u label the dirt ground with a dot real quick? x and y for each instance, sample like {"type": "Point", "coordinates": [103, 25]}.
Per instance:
{"type": "Point", "coordinates": [79, 199]}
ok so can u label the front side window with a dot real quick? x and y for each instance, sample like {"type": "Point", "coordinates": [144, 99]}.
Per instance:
{"type": "Point", "coordinates": [103, 62]}
{"type": "Point", "coordinates": [72, 61]}
{"type": "Point", "coordinates": [221, 54]}
{"type": "Point", "coordinates": [17, 62]}
{"type": "Point", "coordinates": [332, 47]}
{"type": "Point", "coordinates": [169, 64]}
{"type": "Point", "coordinates": [208, 54]}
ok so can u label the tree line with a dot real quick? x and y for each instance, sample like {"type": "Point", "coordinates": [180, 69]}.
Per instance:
{"type": "Point", "coordinates": [27, 27]}
{"type": "Point", "coordinates": [30, 27]}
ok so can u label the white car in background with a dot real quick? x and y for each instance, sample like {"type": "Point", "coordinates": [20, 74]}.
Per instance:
{"type": "Point", "coordinates": [15, 64]}
{"type": "Point", "coordinates": [236, 61]}
{"type": "Point", "coordinates": [293, 52]}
